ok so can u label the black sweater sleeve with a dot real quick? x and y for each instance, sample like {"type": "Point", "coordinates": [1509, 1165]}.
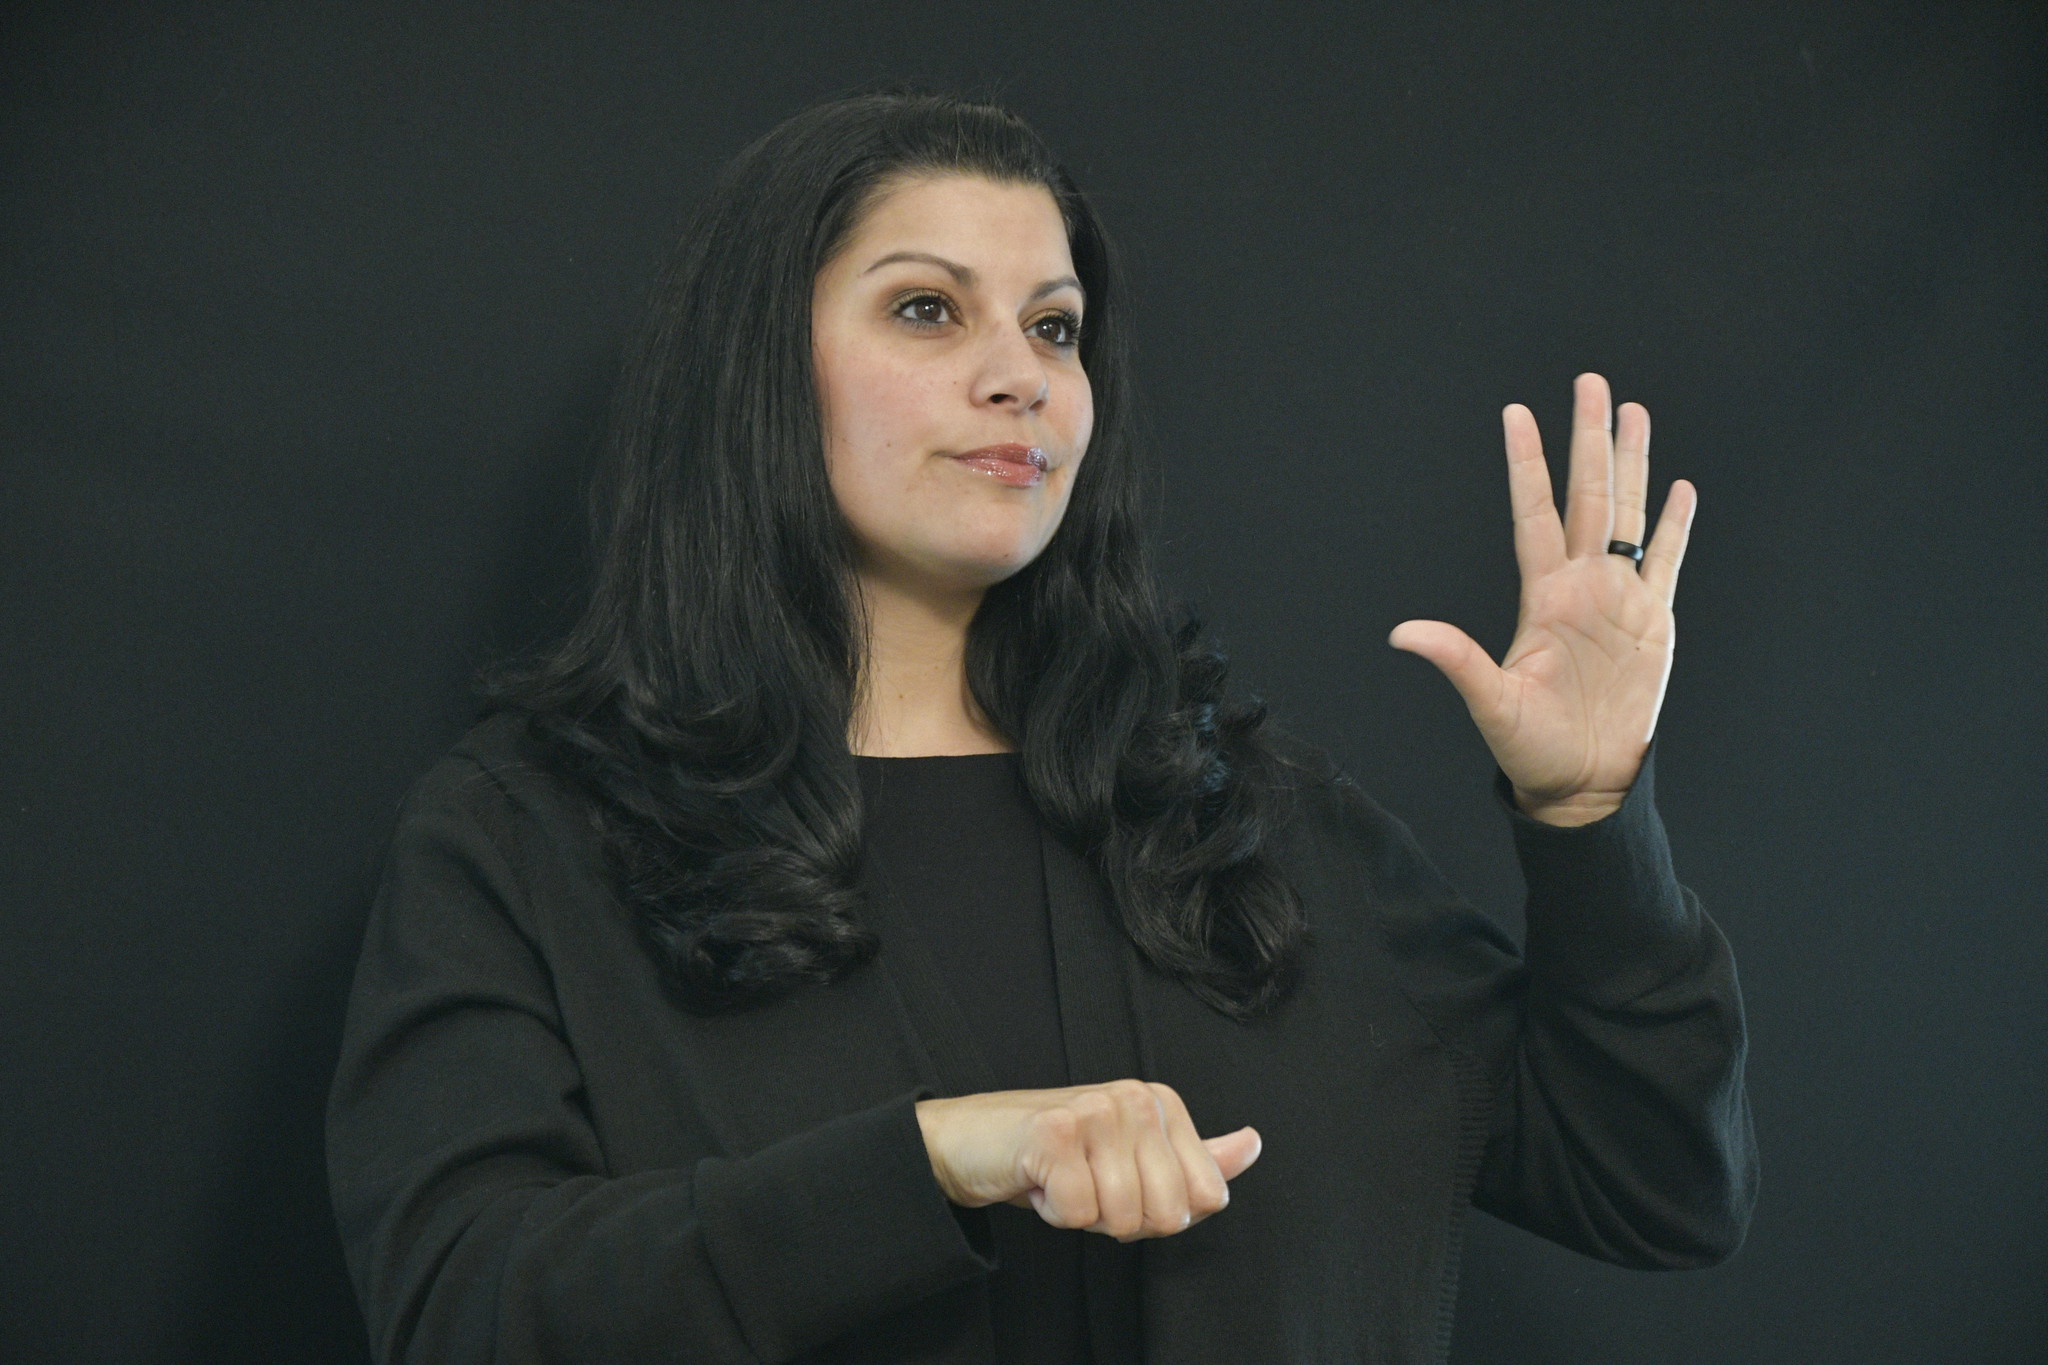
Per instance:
{"type": "Point", "coordinates": [1605, 1060]}
{"type": "Point", "coordinates": [1622, 1125]}
{"type": "Point", "coordinates": [475, 1207]}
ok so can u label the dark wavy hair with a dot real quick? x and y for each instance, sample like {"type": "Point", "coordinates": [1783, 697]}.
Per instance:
{"type": "Point", "coordinates": [703, 699]}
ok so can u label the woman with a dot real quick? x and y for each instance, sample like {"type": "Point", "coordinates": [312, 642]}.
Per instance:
{"type": "Point", "coordinates": [872, 936]}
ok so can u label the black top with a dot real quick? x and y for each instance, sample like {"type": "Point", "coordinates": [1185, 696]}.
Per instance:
{"type": "Point", "coordinates": [955, 838]}
{"type": "Point", "coordinates": [537, 1157]}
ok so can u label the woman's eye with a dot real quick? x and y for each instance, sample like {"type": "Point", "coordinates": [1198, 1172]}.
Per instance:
{"type": "Point", "coordinates": [925, 310]}
{"type": "Point", "coordinates": [1061, 329]}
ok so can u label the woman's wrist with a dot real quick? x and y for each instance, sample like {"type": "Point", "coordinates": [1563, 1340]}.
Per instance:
{"type": "Point", "coordinates": [1581, 809]}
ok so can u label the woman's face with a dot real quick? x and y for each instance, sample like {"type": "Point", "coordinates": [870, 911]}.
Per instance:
{"type": "Point", "coordinates": [945, 327]}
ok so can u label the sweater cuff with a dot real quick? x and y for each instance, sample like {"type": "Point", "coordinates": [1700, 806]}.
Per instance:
{"type": "Point", "coordinates": [834, 1227]}
{"type": "Point", "coordinates": [1607, 919]}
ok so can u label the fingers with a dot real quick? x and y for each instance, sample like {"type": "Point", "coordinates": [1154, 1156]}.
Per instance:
{"type": "Point", "coordinates": [1066, 1197]}
{"type": "Point", "coordinates": [1109, 1133]}
{"type": "Point", "coordinates": [1631, 472]}
{"type": "Point", "coordinates": [1589, 499]}
{"type": "Point", "coordinates": [1124, 1160]}
{"type": "Point", "coordinates": [1666, 550]}
{"type": "Point", "coordinates": [1539, 536]}
{"type": "Point", "coordinates": [1608, 485]}
{"type": "Point", "coordinates": [1207, 1185]}
{"type": "Point", "coordinates": [1163, 1181]}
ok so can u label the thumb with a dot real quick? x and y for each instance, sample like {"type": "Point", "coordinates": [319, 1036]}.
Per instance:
{"type": "Point", "coordinates": [1457, 655]}
{"type": "Point", "coordinates": [1235, 1152]}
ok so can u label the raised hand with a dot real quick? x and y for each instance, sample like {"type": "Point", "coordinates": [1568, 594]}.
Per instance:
{"type": "Point", "coordinates": [1570, 711]}
{"type": "Point", "coordinates": [1121, 1158]}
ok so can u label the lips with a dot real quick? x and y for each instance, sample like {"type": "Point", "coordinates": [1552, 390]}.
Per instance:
{"type": "Point", "coordinates": [1018, 465]}
{"type": "Point", "coordinates": [1010, 451]}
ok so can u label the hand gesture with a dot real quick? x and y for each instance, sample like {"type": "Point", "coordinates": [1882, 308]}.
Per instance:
{"type": "Point", "coordinates": [1570, 711]}
{"type": "Point", "coordinates": [1120, 1158]}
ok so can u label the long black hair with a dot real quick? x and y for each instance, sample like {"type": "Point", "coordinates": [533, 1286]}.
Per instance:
{"type": "Point", "coordinates": [703, 699]}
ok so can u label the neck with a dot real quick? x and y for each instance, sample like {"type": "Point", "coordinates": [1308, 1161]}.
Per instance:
{"type": "Point", "coordinates": [914, 700]}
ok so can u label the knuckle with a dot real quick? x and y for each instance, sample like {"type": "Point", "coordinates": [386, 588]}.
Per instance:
{"type": "Point", "coordinates": [1166, 1222]}
{"type": "Point", "coordinates": [1092, 1107]}
{"type": "Point", "coordinates": [1070, 1199]}
{"type": "Point", "coordinates": [1065, 1217]}
{"type": "Point", "coordinates": [1087, 1209]}
{"type": "Point", "coordinates": [1208, 1195]}
{"type": "Point", "coordinates": [1057, 1128]}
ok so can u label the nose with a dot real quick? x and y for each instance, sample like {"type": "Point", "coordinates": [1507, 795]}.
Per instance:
{"type": "Point", "coordinates": [1012, 375]}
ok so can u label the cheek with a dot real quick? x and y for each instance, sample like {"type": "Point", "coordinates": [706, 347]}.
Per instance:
{"type": "Point", "coordinates": [877, 412]}
{"type": "Point", "coordinates": [877, 439]}
{"type": "Point", "coordinates": [1077, 418]}
{"type": "Point", "coordinates": [1084, 424]}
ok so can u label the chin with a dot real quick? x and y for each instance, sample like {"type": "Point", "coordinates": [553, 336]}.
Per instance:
{"type": "Point", "coordinates": [988, 573]}
{"type": "Point", "coordinates": [987, 568]}
{"type": "Point", "coordinates": [994, 554]}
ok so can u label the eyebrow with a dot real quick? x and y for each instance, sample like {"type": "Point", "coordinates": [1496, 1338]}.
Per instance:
{"type": "Point", "coordinates": [966, 276]}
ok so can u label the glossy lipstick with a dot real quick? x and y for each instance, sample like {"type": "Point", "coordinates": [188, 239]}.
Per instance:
{"type": "Point", "coordinates": [1020, 466]}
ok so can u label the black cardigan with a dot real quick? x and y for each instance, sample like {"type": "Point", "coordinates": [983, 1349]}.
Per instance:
{"type": "Point", "coordinates": [956, 844]}
{"type": "Point", "coordinates": [536, 1157]}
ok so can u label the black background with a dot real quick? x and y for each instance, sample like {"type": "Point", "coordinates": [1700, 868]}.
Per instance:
{"type": "Point", "coordinates": [308, 315]}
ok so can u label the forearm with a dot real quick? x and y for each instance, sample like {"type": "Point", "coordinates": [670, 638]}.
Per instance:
{"type": "Point", "coordinates": [1624, 1129]}
{"type": "Point", "coordinates": [729, 1260]}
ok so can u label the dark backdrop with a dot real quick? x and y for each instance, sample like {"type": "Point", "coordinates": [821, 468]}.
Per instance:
{"type": "Point", "coordinates": [309, 312]}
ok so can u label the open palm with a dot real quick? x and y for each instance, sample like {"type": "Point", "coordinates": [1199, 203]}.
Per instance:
{"type": "Point", "coordinates": [1570, 711]}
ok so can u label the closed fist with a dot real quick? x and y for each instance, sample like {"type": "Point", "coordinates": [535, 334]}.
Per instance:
{"type": "Point", "coordinates": [1121, 1158]}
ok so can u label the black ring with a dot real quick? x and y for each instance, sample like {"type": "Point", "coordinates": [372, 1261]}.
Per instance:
{"type": "Point", "coordinates": [1622, 547]}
